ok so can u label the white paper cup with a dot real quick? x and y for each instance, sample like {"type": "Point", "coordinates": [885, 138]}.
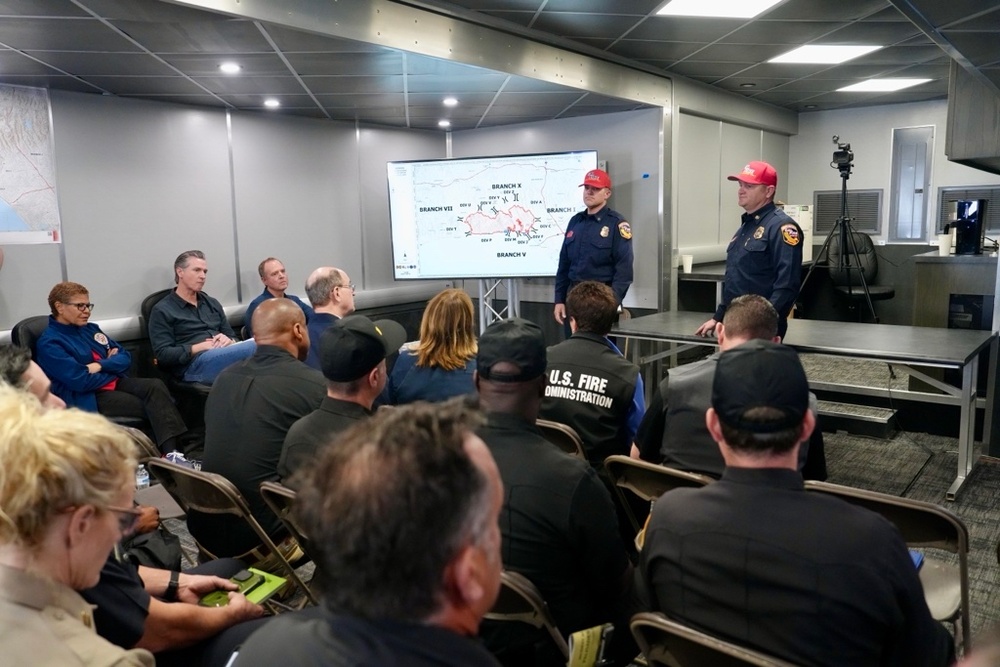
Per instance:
{"type": "Point", "coordinates": [688, 262]}
{"type": "Point", "coordinates": [944, 244]}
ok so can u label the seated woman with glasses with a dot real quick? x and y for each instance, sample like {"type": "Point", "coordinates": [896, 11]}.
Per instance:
{"type": "Point", "coordinates": [439, 365]}
{"type": "Point", "coordinates": [66, 491]}
{"type": "Point", "coordinates": [89, 370]}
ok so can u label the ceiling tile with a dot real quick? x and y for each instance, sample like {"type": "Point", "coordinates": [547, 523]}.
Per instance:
{"type": "Point", "coordinates": [981, 48]}
{"type": "Point", "coordinates": [373, 64]}
{"type": "Point", "coordinates": [568, 24]}
{"type": "Point", "coordinates": [881, 32]}
{"type": "Point", "coordinates": [83, 64]}
{"type": "Point", "coordinates": [144, 10]}
{"type": "Point", "coordinates": [633, 7]}
{"type": "Point", "coordinates": [435, 84]}
{"type": "Point", "coordinates": [825, 10]}
{"type": "Point", "coordinates": [942, 13]}
{"type": "Point", "coordinates": [989, 21]}
{"type": "Point", "coordinates": [39, 34]}
{"type": "Point", "coordinates": [759, 84]}
{"type": "Point", "coordinates": [740, 53]}
{"type": "Point", "coordinates": [204, 100]}
{"type": "Point", "coordinates": [207, 64]}
{"type": "Point", "coordinates": [242, 85]}
{"type": "Point", "coordinates": [523, 19]}
{"type": "Point", "coordinates": [322, 85]}
{"type": "Point", "coordinates": [652, 50]}
{"type": "Point", "coordinates": [11, 8]}
{"type": "Point", "coordinates": [781, 32]}
{"type": "Point", "coordinates": [14, 63]}
{"type": "Point", "coordinates": [784, 70]}
{"type": "Point", "coordinates": [711, 69]}
{"type": "Point", "coordinates": [893, 55]}
{"type": "Point", "coordinates": [56, 81]}
{"type": "Point", "coordinates": [141, 85]}
{"type": "Point", "coordinates": [684, 29]}
{"type": "Point", "coordinates": [214, 35]}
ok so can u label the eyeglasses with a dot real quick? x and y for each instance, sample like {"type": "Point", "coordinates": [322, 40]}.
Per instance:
{"type": "Point", "coordinates": [79, 306]}
{"type": "Point", "coordinates": [350, 286]}
{"type": "Point", "coordinates": [127, 518]}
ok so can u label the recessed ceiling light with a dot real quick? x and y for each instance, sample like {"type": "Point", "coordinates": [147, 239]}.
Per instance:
{"type": "Point", "coordinates": [737, 9]}
{"type": "Point", "coordinates": [748, 85]}
{"type": "Point", "coordinates": [809, 106]}
{"type": "Point", "coordinates": [450, 102]}
{"type": "Point", "coordinates": [827, 54]}
{"type": "Point", "coordinates": [230, 68]}
{"type": "Point", "coordinates": [881, 85]}
{"type": "Point", "coordinates": [272, 103]}
{"type": "Point", "coordinates": [444, 123]}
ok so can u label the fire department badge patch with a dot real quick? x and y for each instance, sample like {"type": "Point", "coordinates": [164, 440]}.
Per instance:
{"type": "Point", "coordinates": [790, 234]}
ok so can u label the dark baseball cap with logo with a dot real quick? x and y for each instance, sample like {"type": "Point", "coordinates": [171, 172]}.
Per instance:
{"type": "Point", "coordinates": [352, 346]}
{"type": "Point", "coordinates": [515, 341]}
{"type": "Point", "coordinates": [756, 374]}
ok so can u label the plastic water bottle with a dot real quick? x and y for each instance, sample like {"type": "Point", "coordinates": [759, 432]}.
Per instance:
{"type": "Point", "coordinates": [141, 477]}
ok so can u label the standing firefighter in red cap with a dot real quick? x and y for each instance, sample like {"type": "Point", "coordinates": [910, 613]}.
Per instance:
{"type": "Point", "coordinates": [597, 245]}
{"type": "Point", "coordinates": [765, 255]}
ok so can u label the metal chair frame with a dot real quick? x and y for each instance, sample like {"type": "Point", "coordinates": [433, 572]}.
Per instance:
{"type": "Point", "coordinates": [520, 601]}
{"type": "Point", "coordinates": [647, 480]}
{"type": "Point", "coordinates": [667, 643]}
{"type": "Point", "coordinates": [922, 525]}
{"type": "Point", "coordinates": [214, 494]}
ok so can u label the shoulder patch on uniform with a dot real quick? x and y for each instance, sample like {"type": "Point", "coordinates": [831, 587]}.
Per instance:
{"type": "Point", "coordinates": [790, 234]}
{"type": "Point", "coordinates": [625, 230]}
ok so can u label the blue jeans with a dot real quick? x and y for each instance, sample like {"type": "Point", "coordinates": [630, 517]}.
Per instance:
{"type": "Point", "coordinates": [206, 366]}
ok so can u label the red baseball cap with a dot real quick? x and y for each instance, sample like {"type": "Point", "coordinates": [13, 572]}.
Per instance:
{"type": "Point", "coordinates": [757, 172]}
{"type": "Point", "coordinates": [597, 178]}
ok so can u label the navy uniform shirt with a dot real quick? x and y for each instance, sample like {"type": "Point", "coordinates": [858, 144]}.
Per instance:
{"type": "Point", "coordinates": [596, 247]}
{"type": "Point", "coordinates": [765, 258]}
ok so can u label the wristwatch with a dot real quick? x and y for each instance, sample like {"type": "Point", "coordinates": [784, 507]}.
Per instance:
{"type": "Point", "coordinates": [170, 595]}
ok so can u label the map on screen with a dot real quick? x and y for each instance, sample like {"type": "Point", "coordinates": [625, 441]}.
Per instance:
{"type": "Point", "coordinates": [488, 217]}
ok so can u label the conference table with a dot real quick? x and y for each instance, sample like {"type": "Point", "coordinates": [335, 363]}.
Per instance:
{"type": "Point", "coordinates": [908, 349]}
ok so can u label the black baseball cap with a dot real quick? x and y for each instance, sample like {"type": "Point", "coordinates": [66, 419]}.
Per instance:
{"type": "Point", "coordinates": [516, 341]}
{"type": "Point", "coordinates": [756, 374]}
{"type": "Point", "coordinates": [352, 346]}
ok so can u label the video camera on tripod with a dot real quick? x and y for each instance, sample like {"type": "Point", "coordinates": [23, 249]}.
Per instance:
{"type": "Point", "coordinates": [847, 258]}
{"type": "Point", "coordinates": [843, 158]}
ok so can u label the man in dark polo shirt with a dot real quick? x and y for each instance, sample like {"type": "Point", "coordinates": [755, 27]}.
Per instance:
{"type": "Point", "coordinates": [249, 410]}
{"type": "Point", "coordinates": [188, 329]}
{"type": "Point", "coordinates": [353, 353]}
{"type": "Point", "coordinates": [558, 520]}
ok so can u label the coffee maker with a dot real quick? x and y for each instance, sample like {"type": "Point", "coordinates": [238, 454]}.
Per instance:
{"type": "Point", "coordinates": [968, 219]}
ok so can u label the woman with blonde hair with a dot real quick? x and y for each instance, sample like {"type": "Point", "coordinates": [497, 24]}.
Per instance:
{"type": "Point", "coordinates": [439, 365]}
{"type": "Point", "coordinates": [66, 488]}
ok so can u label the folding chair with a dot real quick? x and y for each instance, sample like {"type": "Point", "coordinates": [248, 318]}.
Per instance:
{"type": "Point", "coordinates": [647, 480]}
{"type": "Point", "coordinates": [925, 525]}
{"type": "Point", "coordinates": [145, 448]}
{"type": "Point", "coordinates": [562, 436]}
{"type": "Point", "coordinates": [214, 494]}
{"type": "Point", "coordinates": [280, 499]}
{"type": "Point", "coordinates": [520, 601]}
{"type": "Point", "coordinates": [667, 643]}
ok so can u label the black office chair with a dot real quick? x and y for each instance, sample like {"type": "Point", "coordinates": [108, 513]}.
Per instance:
{"type": "Point", "coordinates": [190, 396]}
{"type": "Point", "coordinates": [846, 274]}
{"type": "Point", "coordinates": [26, 334]}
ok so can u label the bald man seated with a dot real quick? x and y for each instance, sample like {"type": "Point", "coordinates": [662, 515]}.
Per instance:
{"type": "Point", "coordinates": [331, 294]}
{"type": "Point", "coordinates": [248, 412]}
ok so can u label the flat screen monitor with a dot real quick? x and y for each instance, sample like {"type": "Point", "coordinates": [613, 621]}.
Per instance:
{"type": "Point", "coordinates": [483, 217]}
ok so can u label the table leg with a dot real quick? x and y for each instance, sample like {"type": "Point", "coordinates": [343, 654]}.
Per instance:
{"type": "Point", "coordinates": [966, 427]}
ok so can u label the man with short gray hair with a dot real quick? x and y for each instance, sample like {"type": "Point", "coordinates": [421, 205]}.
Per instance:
{"type": "Point", "coordinates": [402, 512]}
{"type": "Point", "coordinates": [331, 294]}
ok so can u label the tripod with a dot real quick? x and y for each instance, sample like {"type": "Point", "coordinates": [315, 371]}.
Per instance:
{"type": "Point", "coordinates": [848, 247]}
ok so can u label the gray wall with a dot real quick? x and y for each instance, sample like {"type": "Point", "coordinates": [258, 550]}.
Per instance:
{"type": "Point", "coordinates": [139, 182]}
{"type": "Point", "coordinates": [630, 144]}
